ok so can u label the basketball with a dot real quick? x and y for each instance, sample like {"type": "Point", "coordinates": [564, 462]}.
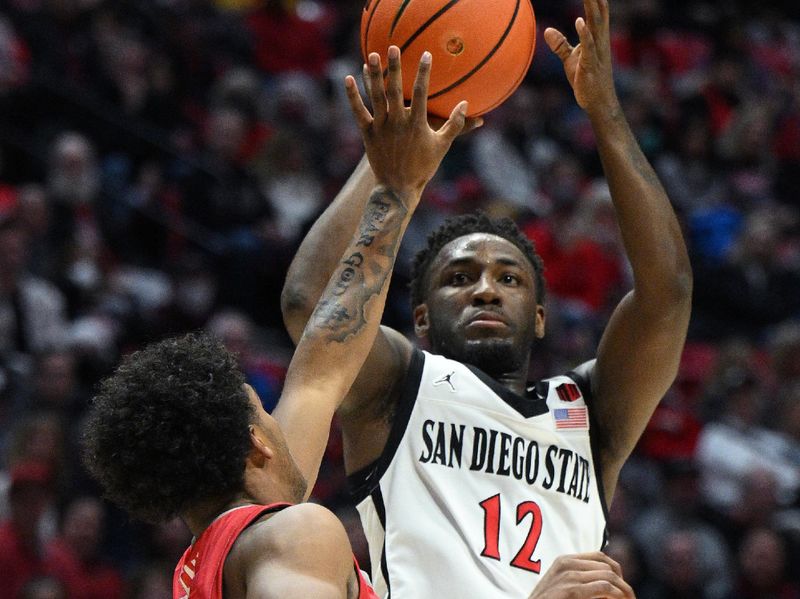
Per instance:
{"type": "Point", "coordinates": [481, 48]}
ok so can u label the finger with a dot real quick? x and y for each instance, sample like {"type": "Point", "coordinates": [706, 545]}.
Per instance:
{"type": "Point", "coordinates": [607, 589]}
{"type": "Point", "coordinates": [587, 39]}
{"type": "Point", "coordinates": [591, 9]}
{"type": "Point", "coordinates": [365, 79]}
{"type": "Point", "coordinates": [394, 87]}
{"type": "Point", "coordinates": [455, 123]}
{"type": "Point", "coordinates": [558, 43]}
{"type": "Point", "coordinates": [585, 562]}
{"type": "Point", "coordinates": [604, 10]}
{"type": "Point", "coordinates": [419, 99]}
{"type": "Point", "coordinates": [360, 112]}
{"type": "Point", "coordinates": [471, 124]}
{"type": "Point", "coordinates": [377, 92]}
{"type": "Point", "coordinates": [604, 561]}
{"type": "Point", "coordinates": [598, 22]}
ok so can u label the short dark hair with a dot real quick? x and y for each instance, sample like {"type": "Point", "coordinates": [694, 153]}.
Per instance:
{"type": "Point", "coordinates": [170, 428]}
{"type": "Point", "coordinates": [466, 224]}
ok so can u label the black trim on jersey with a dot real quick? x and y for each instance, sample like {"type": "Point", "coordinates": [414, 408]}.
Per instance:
{"type": "Point", "coordinates": [268, 510]}
{"type": "Point", "coordinates": [534, 403]}
{"type": "Point", "coordinates": [380, 508]}
{"type": "Point", "coordinates": [363, 482]}
{"type": "Point", "coordinates": [585, 385]}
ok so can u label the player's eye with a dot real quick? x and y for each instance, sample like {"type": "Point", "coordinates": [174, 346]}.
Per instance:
{"type": "Point", "coordinates": [509, 279]}
{"type": "Point", "coordinates": [459, 278]}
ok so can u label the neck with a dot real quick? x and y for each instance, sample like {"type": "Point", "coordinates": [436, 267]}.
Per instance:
{"type": "Point", "coordinates": [514, 381]}
{"type": "Point", "coordinates": [200, 517]}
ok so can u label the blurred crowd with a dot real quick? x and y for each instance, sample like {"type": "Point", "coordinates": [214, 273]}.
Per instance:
{"type": "Point", "coordinates": [160, 161]}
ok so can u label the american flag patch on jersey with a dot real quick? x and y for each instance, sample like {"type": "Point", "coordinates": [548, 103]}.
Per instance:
{"type": "Point", "coordinates": [571, 418]}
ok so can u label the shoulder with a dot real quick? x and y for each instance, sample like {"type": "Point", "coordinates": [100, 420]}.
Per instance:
{"type": "Point", "coordinates": [297, 528]}
{"type": "Point", "coordinates": [582, 375]}
{"type": "Point", "coordinates": [275, 550]}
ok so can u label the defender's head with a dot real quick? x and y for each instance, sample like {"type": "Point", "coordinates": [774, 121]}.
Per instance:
{"type": "Point", "coordinates": [477, 292]}
{"type": "Point", "coordinates": [175, 427]}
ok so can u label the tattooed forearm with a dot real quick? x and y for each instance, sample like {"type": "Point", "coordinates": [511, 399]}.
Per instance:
{"type": "Point", "coordinates": [377, 209]}
{"type": "Point", "coordinates": [362, 275]}
{"type": "Point", "coordinates": [347, 274]}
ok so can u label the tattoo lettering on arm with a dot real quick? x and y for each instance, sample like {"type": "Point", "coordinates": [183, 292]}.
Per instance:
{"type": "Point", "coordinates": [362, 275]}
{"type": "Point", "coordinates": [371, 225]}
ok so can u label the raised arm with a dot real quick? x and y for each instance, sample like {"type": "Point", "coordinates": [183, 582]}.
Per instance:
{"type": "Point", "coordinates": [319, 254]}
{"type": "Point", "coordinates": [404, 153]}
{"type": "Point", "coordinates": [318, 257]}
{"type": "Point", "coordinates": [639, 352]}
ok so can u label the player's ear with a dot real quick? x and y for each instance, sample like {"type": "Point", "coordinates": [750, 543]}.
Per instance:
{"type": "Point", "coordinates": [539, 321]}
{"type": "Point", "coordinates": [260, 452]}
{"type": "Point", "coordinates": [421, 322]}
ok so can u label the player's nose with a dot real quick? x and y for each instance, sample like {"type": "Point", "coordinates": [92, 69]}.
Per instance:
{"type": "Point", "coordinates": [485, 292]}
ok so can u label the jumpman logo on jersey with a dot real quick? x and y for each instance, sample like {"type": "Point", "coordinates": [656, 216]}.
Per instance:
{"type": "Point", "coordinates": [446, 379]}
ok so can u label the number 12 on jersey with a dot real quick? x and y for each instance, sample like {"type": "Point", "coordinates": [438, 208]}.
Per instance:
{"type": "Point", "coordinates": [491, 532]}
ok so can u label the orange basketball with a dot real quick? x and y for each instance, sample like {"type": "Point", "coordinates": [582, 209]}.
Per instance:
{"type": "Point", "coordinates": [481, 48]}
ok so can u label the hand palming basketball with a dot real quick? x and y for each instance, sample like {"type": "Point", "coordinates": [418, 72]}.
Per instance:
{"type": "Point", "coordinates": [403, 150]}
{"type": "Point", "coordinates": [588, 65]}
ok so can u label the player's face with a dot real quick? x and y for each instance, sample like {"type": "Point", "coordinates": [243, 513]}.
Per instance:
{"type": "Point", "coordinates": [286, 482]}
{"type": "Point", "coordinates": [481, 304]}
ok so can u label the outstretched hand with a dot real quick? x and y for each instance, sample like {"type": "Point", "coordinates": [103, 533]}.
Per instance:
{"type": "Point", "coordinates": [583, 576]}
{"type": "Point", "coordinates": [403, 150]}
{"type": "Point", "coordinates": [588, 65]}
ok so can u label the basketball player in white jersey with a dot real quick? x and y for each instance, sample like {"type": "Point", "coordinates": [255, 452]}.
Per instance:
{"type": "Point", "coordinates": [471, 480]}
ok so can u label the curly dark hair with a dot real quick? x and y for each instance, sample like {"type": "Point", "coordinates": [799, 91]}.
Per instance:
{"type": "Point", "coordinates": [170, 428]}
{"type": "Point", "coordinates": [466, 224]}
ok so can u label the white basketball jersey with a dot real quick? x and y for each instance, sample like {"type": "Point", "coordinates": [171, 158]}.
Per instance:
{"type": "Point", "coordinates": [479, 490]}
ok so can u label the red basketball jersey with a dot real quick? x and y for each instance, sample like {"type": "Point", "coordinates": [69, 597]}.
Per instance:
{"type": "Point", "coordinates": [198, 574]}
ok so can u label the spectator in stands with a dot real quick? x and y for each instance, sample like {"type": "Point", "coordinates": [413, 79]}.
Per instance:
{"type": "Point", "coordinates": [75, 555]}
{"type": "Point", "coordinates": [44, 587]}
{"type": "Point", "coordinates": [264, 374]}
{"type": "Point", "coordinates": [681, 509]}
{"type": "Point", "coordinates": [32, 316]}
{"type": "Point", "coordinates": [55, 384]}
{"type": "Point", "coordinates": [736, 445]}
{"type": "Point", "coordinates": [752, 290]}
{"type": "Point", "coordinates": [35, 214]}
{"type": "Point", "coordinates": [763, 569]}
{"type": "Point", "coordinates": [679, 573]}
{"type": "Point", "coordinates": [784, 348]}
{"type": "Point", "coordinates": [581, 246]}
{"type": "Point", "coordinates": [284, 41]}
{"type": "Point", "coordinates": [22, 554]}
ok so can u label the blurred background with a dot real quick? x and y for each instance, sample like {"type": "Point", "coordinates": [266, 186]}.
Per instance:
{"type": "Point", "coordinates": [161, 160]}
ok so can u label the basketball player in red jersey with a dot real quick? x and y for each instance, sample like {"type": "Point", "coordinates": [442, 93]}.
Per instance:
{"type": "Point", "coordinates": [457, 434]}
{"type": "Point", "coordinates": [176, 431]}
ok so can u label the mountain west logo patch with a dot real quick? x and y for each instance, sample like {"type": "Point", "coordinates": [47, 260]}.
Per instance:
{"type": "Point", "coordinates": [568, 392]}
